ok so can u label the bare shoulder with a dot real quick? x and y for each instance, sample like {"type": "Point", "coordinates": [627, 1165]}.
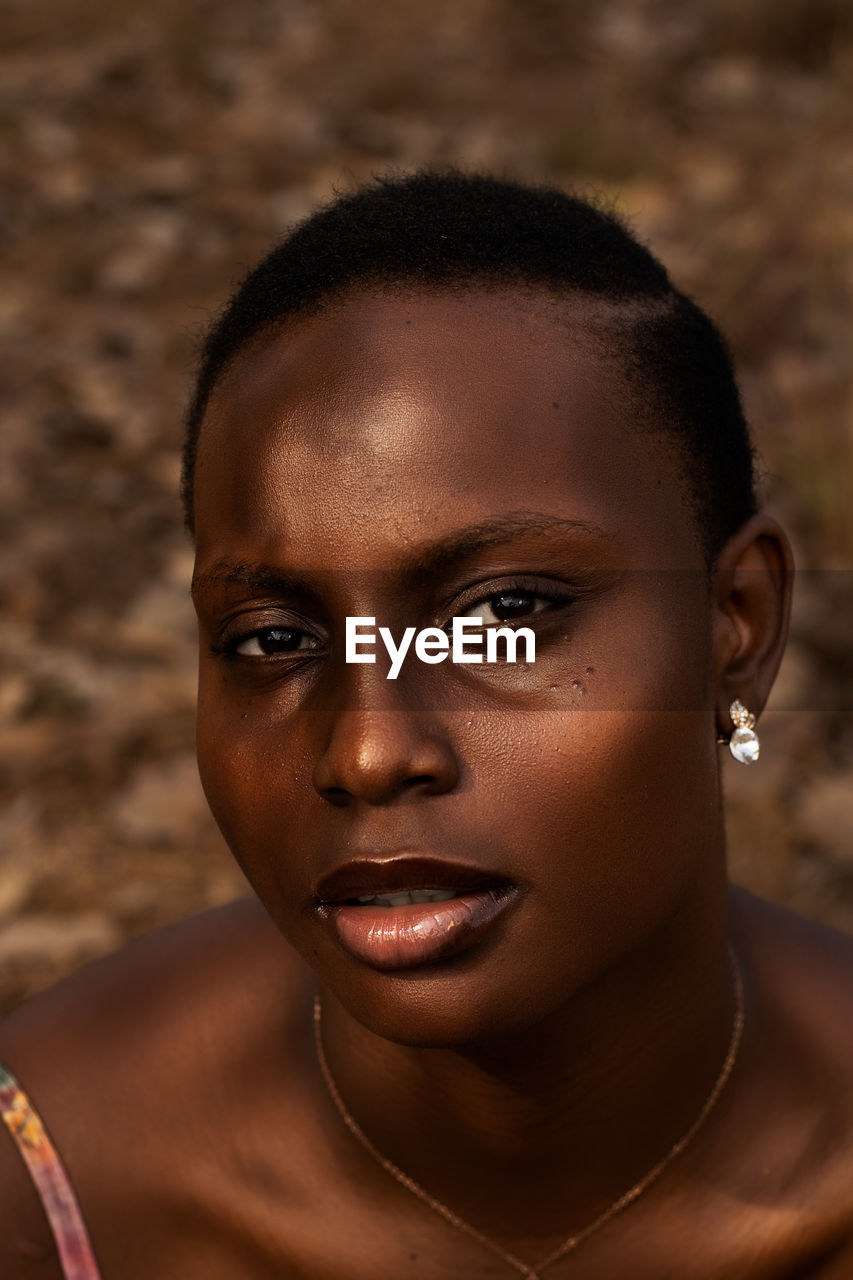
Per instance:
{"type": "Point", "coordinates": [805, 973]}
{"type": "Point", "coordinates": [129, 1063]}
{"type": "Point", "coordinates": [167, 993]}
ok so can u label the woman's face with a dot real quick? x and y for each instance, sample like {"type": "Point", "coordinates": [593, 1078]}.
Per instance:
{"type": "Point", "coordinates": [412, 460]}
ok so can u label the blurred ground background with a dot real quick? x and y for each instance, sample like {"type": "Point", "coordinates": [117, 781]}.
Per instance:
{"type": "Point", "coordinates": [150, 153]}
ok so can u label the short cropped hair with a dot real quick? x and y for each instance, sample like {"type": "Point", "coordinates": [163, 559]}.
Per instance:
{"type": "Point", "coordinates": [455, 231]}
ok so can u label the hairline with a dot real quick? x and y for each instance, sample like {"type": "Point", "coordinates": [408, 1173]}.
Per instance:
{"type": "Point", "coordinates": [597, 324]}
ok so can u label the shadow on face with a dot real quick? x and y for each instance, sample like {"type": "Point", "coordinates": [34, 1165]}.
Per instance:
{"type": "Point", "coordinates": [415, 459]}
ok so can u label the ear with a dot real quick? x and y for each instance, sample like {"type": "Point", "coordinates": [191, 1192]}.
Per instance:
{"type": "Point", "coordinates": [752, 586]}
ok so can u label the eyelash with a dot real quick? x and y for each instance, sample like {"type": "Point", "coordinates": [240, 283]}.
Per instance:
{"type": "Point", "coordinates": [230, 646]}
{"type": "Point", "coordinates": [554, 597]}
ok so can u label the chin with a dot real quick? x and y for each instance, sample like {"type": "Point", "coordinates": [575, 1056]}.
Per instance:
{"type": "Point", "coordinates": [456, 1005]}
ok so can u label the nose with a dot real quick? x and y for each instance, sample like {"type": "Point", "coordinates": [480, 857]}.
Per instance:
{"type": "Point", "coordinates": [379, 757]}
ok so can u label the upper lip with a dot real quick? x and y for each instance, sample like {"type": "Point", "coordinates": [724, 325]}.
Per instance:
{"type": "Point", "coordinates": [365, 875]}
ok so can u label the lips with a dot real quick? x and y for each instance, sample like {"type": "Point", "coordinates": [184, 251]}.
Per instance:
{"type": "Point", "coordinates": [406, 911]}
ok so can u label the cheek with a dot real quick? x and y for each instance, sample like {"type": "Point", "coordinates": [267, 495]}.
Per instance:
{"type": "Point", "coordinates": [604, 813]}
{"type": "Point", "coordinates": [251, 768]}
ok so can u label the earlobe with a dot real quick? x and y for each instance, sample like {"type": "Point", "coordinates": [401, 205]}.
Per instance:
{"type": "Point", "coordinates": [752, 586]}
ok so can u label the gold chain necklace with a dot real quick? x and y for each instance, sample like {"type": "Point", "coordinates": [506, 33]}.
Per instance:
{"type": "Point", "coordinates": [628, 1197]}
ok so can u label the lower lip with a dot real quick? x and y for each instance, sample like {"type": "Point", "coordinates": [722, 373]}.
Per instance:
{"type": "Point", "coordinates": [422, 933]}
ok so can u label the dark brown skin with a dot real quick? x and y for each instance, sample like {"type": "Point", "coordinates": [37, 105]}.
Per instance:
{"type": "Point", "coordinates": [529, 1081]}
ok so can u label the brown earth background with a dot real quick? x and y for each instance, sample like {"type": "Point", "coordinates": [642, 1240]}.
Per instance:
{"type": "Point", "coordinates": [150, 153]}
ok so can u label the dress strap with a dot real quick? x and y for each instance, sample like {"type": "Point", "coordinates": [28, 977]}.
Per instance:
{"type": "Point", "coordinates": [51, 1180]}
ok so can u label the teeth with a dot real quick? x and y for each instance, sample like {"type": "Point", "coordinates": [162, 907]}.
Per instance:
{"type": "Point", "coordinates": [407, 898]}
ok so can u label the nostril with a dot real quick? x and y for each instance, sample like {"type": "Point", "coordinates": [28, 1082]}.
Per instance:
{"type": "Point", "coordinates": [336, 795]}
{"type": "Point", "coordinates": [340, 796]}
{"type": "Point", "coordinates": [425, 781]}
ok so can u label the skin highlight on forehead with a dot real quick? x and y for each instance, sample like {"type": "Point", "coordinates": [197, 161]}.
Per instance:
{"type": "Point", "coordinates": [470, 395]}
{"type": "Point", "coordinates": [357, 468]}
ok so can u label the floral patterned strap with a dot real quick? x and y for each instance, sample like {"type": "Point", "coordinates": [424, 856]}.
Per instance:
{"type": "Point", "coordinates": [51, 1181]}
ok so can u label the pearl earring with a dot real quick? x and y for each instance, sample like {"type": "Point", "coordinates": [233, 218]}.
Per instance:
{"type": "Point", "coordinates": [743, 743]}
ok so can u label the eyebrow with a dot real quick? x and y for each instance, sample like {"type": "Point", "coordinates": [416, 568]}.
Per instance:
{"type": "Point", "coordinates": [257, 577]}
{"type": "Point", "coordinates": [438, 555]}
{"type": "Point", "coordinates": [430, 558]}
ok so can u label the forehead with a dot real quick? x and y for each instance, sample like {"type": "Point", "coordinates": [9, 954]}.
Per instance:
{"type": "Point", "coordinates": [388, 418]}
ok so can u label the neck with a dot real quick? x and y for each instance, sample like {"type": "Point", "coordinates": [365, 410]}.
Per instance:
{"type": "Point", "coordinates": [586, 1101]}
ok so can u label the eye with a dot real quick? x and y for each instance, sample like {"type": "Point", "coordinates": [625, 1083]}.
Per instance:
{"type": "Point", "coordinates": [506, 606]}
{"type": "Point", "coordinates": [272, 640]}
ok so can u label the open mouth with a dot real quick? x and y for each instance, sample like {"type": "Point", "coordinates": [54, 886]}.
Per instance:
{"type": "Point", "coordinates": [408, 898]}
{"type": "Point", "coordinates": [407, 912]}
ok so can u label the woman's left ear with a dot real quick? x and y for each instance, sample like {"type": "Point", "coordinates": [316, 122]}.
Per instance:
{"type": "Point", "coordinates": [752, 587]}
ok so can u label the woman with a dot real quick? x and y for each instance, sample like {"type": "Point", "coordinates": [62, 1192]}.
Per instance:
{"type": "Point", "coordinates": [495, 1009]}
